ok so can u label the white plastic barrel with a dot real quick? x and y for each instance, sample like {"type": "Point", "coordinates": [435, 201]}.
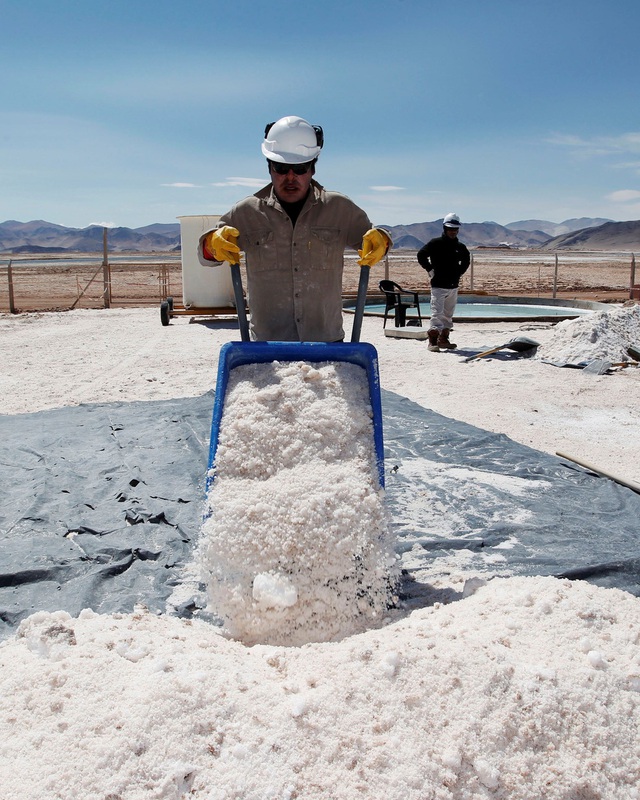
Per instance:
{"type": "Point", "coordinates": [202, 286]}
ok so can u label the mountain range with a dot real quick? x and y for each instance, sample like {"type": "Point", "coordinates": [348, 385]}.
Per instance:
{"type": "Point", "coordinates": [39, 236]}
{"type": "Point", "coordinates": [585, 233]}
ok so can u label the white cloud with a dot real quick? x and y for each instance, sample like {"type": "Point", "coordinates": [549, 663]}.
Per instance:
{"type": "Point", "coordinates": [629, 165]}
{"type": "Point", "coordinates": [624, 196]}
{"type": "Point", "coordinates": [182, 185]}
{"type": "Point", "coordinates": [628, 141]}
{"type": "Point", "coordinates": [599, 145]}
{"type": "Point", "coordinates": [386, 188]}
{"type": "Point", "coordinates": [253, 183]}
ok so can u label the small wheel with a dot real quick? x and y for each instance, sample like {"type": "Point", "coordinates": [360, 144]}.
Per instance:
{"type": "Point", "coordinates": [164, 313]}
{"type": "Point", "coordinates": [170, 301]}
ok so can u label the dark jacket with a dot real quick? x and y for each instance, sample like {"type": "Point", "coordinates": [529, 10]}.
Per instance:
{"type": "Point", "coordinates": [448, 258]}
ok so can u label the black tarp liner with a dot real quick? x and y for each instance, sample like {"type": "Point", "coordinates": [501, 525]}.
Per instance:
{"type": "Point", "coordinates": [100, 506]}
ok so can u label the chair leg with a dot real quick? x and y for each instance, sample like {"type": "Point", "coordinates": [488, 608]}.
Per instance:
{"type": "Point", "coordinates": [401, 315]}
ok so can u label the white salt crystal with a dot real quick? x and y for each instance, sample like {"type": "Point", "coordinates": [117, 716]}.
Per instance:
{"type": "Point", "coordinates": [596, 659]}
{"type": "Point", "coordinates": [274, 590]}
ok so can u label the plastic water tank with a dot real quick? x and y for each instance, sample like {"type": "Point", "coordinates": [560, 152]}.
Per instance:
{"type": "Point", "coordinates": [203, 286]}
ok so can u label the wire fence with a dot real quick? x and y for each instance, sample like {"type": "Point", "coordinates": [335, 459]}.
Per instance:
{"type": "Point", "coordinates": [63, 284]}
{"type": "Point", "coordinates": [63, 287]}
{"type": "Point", "coordinates": [594, 275]}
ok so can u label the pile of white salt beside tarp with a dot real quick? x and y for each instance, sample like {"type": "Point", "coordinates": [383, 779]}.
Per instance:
{"type": "Point", "coordinates": [296, 547]}
{"type": "Point", "coordinates": [606, 334]}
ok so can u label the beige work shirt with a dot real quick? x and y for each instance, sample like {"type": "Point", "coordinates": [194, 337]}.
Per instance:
{"type": "Point", "coordinates": [294, 274]}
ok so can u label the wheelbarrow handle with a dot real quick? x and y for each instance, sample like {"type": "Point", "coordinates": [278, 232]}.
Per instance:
{"type": "Point", "coordinates": [360, 303]}
{"type": "Point", "coordinates": [236, 279]}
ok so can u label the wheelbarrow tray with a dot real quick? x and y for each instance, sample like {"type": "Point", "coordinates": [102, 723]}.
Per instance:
{"type": "Point", "coordinates": [235, 354]}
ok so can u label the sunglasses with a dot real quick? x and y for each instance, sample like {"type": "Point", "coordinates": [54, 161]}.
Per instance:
{"type": "Point", "coordinates": [297, 169]}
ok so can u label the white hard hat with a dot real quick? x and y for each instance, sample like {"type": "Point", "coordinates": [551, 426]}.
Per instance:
{"type": "Point", "coordinates": [292, 140]}
{"type": "Point", "coordinates": [452, 221]}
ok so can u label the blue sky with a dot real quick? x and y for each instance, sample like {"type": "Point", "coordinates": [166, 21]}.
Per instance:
{"type": "Point", "coordinates": [133, 112]}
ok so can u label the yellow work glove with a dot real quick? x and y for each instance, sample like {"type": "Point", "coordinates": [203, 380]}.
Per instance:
{"type": "Point", "coordinates": [375, 244]}
{"type": "Point", "coordinates": [222, 244]}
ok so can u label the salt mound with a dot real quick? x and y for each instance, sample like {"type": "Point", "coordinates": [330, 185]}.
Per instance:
{"type": "Point", "coordinates": [599, 335]}
{"type": "Point", "coordinates": [297, 546]}
{"type": "Point", "coordinates": [527, 689]}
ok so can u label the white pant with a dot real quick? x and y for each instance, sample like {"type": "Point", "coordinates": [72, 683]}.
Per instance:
{"type": "Point", "coordinates": [443, 304]}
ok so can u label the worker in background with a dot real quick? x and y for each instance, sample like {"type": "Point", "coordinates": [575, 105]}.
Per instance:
{"type": "Point", "coordinates": [446, 260]}
{"type": "Point", "coordinates": [293, 233]}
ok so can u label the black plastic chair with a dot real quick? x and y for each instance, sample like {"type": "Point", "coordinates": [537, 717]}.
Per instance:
{"type": "Point", "coordinates": [399, 300]}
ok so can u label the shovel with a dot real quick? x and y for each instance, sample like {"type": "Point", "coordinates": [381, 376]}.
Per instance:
{"type": "Point", "coordinates": [519, 344]}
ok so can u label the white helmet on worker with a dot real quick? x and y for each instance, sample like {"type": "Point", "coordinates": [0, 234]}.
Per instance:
{"type": "Point", "coordinates": [292, 140]}
{"type": "Point", "coordinates": [452, 221]}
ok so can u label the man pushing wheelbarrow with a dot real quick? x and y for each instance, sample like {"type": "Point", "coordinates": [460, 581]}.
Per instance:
{"type": "Point", "coordinates": [294, 233]}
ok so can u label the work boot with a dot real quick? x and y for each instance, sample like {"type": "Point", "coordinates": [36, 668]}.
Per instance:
{"type": "Point", "coordinates": [432, 333]}
{"type": "Point", "coordinates": [443, 342]}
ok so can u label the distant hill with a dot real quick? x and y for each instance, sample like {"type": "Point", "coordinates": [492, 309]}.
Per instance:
{"type": "Point", "coordinates": [41, 237]}
{"type": "Point", "coordinates": [585, 233]}
{"type": "Point", "coordinates": [557, 229]}
{"type": "Point", "coordinates": [473, 234]}
{"type": "Point", "coordinates": [170, 229]}
{"type": "Point", "coordinates": [406, 241]}
{"type": "Point", "coordinates": [611, 236]}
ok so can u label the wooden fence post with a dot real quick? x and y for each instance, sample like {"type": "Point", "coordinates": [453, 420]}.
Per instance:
{"type": "Point", "coordinates": [632, 281]}
{"type": "Point", "coordinates": [555, 279]}
{"type": "Point", "coordinates": [471, 265]}
{"type": "Point", "coordinates": [106, 272]}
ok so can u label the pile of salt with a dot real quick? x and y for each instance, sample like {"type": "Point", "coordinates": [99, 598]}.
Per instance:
{"type": "Point", "coordinates": [296, 547]}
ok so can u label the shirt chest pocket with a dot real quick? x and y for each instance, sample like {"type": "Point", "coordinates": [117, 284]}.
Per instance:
{"type": "Point", "coordinates": [326, 248]}
{"type": "Point", "coordinates": [260, 249]}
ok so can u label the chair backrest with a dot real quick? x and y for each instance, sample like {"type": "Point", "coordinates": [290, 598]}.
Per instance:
{"type": "Point", "coordinates": [386, 287]}
{"type": "Point", "coordinates": [389, 287]}
{"type": "Point", "coordinates": [391, 295]}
